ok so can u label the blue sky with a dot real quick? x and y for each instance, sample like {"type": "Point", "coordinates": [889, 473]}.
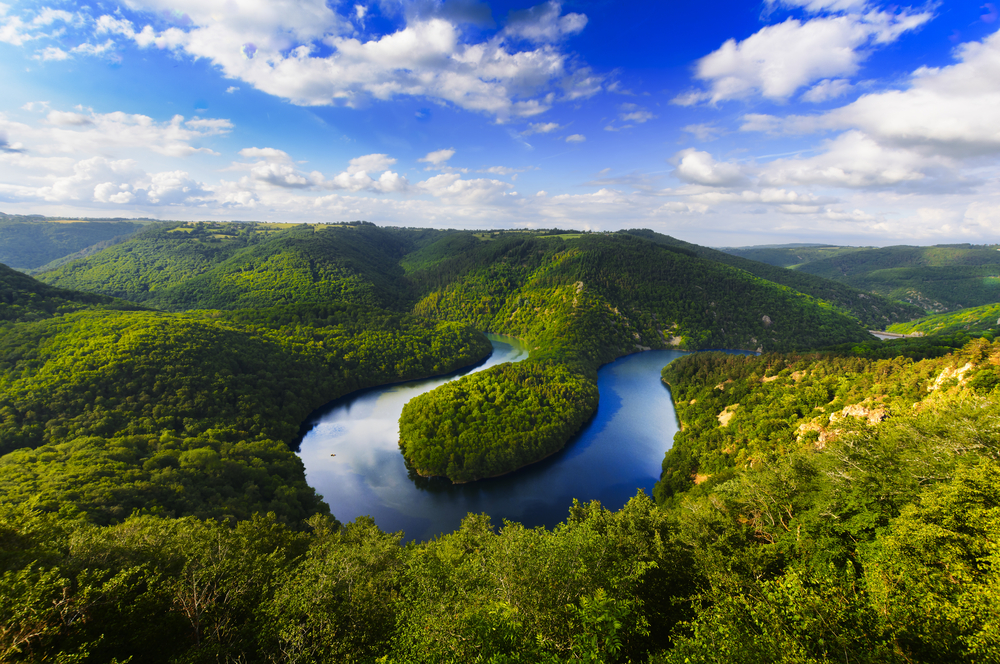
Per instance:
{"type": "Point", "coordinates": [718, 122]}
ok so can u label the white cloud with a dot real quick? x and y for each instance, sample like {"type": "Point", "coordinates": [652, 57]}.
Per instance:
{"type": "Point", "coordinates": [853, 159]}
{"type": "Point", "coordinates": [371, 163]}
{"type": "Point", "coordinates": [50, 53]}
{"type": "Point", "coordinates": [451, 187]}
{"type": "Point", "coordinates": [544, 23]}
{"type": "Point", "coordinates": [12, 30]}
{"type": "Point", "coordinates": [634, 113]}
{"type": "Point", "coordinates": [426, 58]}
{"type": "Point", "coordinates": [704, 131]}
{"type": "Point", "coordinates": [438, 157]}
{"type": "Point", "coordinates": [780, 59]}
{"type": "Point", "coordinates": [576, 138]}
{"type": "Point", "coordinates": [276, 168]}
{"type": "Point", "coordinates": [541, 128]}
{"type": "Point", "coordinates": [946, 111]}
{"type": "Point", "coordinates": [816, 6]}
{"type": "Point", "coordinates": [272, 155]}
{"type": "Point", "coordinates": [119, 182]}
{"type": "Point", "coordinates": [231, 89]}
{"type": "Point", "coordinates": [100, 133]}
{"type": "Point", "coordinates": [827, 89]}
{"type": "Point", "coordinates": [697, 167]}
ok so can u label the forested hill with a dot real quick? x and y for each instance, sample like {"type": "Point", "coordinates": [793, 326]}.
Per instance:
{"type": "Point", "coordinates": [844, 506]}
{"type": "Point", "coordinates": [31, 242]}
{"type": "Point", "coordinates": [580, 303]}
{"type": "Point", "coordinates": [24, 299]}
{"type": "Point", "coordinates": [938, 279]}
{"type": "Point", "coordinates": [874, 311]}
{"type": "Point", "coordinates": [974, 320]}
{"type": "Point", "coordinates": [233, 265]}
{"type": "Point", "coordinates": [579, 300]}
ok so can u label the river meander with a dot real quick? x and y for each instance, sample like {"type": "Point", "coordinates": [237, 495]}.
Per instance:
{"type": "Point", "coordinates": [617, 453]}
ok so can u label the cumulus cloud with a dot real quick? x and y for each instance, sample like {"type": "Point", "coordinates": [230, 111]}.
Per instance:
{"type": "Point", "coordinates": [77, 132]}
{"type": "Point", "coordinates": [544, 23]}
{"type": "Point", "coordinates": [541, 128]}
{"type": "Point", "coordinates": [948, 112]}
{"type": "Point", "coordinates": [779, 60]}
{"type": "Point", "coordinates": [438, 157]}
{"type": "Point", "coordinates": [827, 89]}
{"type": "Point", "coordinates": [479, 191]}
{"type": "Point", "coordinates": [276, 47]}
{"type": "Point", "coordinates": [854, 159]}
{"type": "Point", "coordinates": [697, 167]}
{"type": "Point", "coordinates": [276, 168]}
{"type": "Point", "coordinates": [120, 182]}
{"type": "Point", "coordinates": [576, 138]}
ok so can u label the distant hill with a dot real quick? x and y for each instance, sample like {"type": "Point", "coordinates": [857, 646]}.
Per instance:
{"type": "Point", "coordinates": [578, 299]}
{"type": "Point", "coordinates": [23, 298]}
{"type": "Point", "coordinates": [974, 320]}
{"type": "Point", "coordinates": [936, 279]}
{"type": "Point", "coordinates": [235, 265]}
{"type": "Point", "coordinates": [874, 311]}
{"type": "Point", "coordinates": [788, 255]}
{"type": "Point", "coordinates": [939, 278]}
{"type": "Point", "coordinates": [31, 242]}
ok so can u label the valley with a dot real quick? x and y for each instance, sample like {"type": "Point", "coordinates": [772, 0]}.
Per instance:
{"type": "Point", "coordinates": [152, 395]}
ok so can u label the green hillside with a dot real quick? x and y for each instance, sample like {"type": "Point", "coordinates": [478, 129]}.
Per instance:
{"type": "Point", "coordinates": [31, 242]}
{"type": "Point", "coordinates": [843, 507]}
{"type": "Point", "coordinates": [25, 299]}
{"type": "Point", "coordinates": [234, 265]}
{"type": "Point", "coordinates": [581, 303]}
{"type": "Point", "coordinates": [938, 279]}
{"type": "Point", "coordinates": [789, 255]}
{"type": "Point", "coordinates": [580, 300]}
{"type": "Point", "coordinates": [873, 311]}
{"type": "Point", "coordinates": [106, 412]}
{"type": "Point", "coordinates": [975, 320]}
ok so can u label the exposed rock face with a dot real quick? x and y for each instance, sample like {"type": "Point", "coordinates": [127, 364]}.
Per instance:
{"type": "Point", "coordinates": [727, 414]}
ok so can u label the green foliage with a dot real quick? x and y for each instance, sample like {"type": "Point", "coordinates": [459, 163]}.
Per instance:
{"type": "Point", "coordinates": [495, 421]}
{"type": "Point", "coordinates": [937, 279]}
{"type": "Point", "coordinates": [974, 320]}
{"type": "Point", "coordinates": [168, 590]}
{"type": "Point", "coordinates": [107, 412]}
{"type": "Point", "coordinates": [866, 536]}
{"type": "Point", "coordinates": [25, 299]}
{"type": "Point", "coordinates": [31, 242]}
{"type": "Point", "coordinates": [872, 310]}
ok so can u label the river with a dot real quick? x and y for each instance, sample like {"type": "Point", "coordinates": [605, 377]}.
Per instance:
{"type": "Point", "coordinates": [352, 457]}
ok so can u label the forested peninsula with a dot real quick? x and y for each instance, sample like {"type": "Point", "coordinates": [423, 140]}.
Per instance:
{"type": "Point", "coordinates": [834, 498]}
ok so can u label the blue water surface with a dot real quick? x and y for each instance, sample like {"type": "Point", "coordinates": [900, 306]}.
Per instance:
{"type": "Point", "coordinates": [352, 456]}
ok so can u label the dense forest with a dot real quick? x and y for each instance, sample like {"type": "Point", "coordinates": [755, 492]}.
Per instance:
{"type": "Point", "coordinates": [938, 279]}
{"type": "Point", "coordinates": [975, 320]}
{"type": "Point", "coordinates": [556, 291]}
{"type": "Point", "coordinates": [33, 242]}
{"type": "Point", "coordinates": [845, 504]}
{"type": "Point", "coordinates": [818, 505]}
{"type": "Point", "coordinates": [581, 303]}
{"type": "Point", "coordinates": [868, 537]}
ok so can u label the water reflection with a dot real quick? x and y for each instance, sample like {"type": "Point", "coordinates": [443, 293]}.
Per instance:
{"type": "Point", "coordinates": [352, 455]}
